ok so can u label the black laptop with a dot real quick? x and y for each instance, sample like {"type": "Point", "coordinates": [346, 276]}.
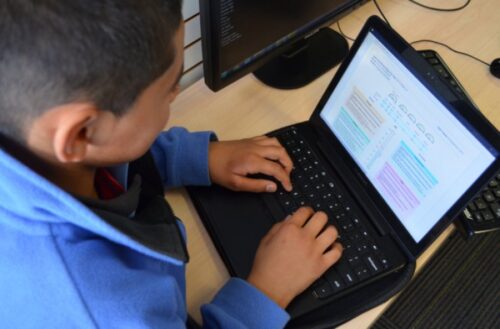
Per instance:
{"type": "Point", "coordinates": [390, 154]}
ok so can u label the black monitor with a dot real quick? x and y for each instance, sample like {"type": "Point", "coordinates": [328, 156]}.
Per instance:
{"type": "Point", "coordinates": [285, 43]}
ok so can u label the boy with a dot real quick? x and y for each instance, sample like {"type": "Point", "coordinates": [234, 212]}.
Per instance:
{"type": "Point", "coordinates": [86, 237]}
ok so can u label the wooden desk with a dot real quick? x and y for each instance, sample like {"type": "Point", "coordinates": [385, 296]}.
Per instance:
{"type": "Point", "coordinates": [248, 108]}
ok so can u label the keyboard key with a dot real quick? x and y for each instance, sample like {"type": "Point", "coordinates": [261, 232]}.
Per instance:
{"type": "Point", "coordinates": [477, 217]}
{"type": "Point", "coordinates": [441, 70]}
{"type": "Point", "coordinates": [372, 263]}
{"type": "Point", "coordinates": [347, 227]}
{"type": "Point", "coordinates": [480, 204]}
{"type": "Point", "coordinates": [362, 272]}
{"type": "Point", "coordinates": [433, 61]}
{"type": "Point", "coordinates": [427, 54]}
{"type": "Point", "coordinates": [355, 236]}
{"type": "Point", "coordinates": [384, 261]}
{"type": "Point", "coordinates": [353, 260]}
{"type": "Point", "coordinates": [334, 278]}
{"type": "Point", "coordinates": [346, 244]}
{"type": "Point", "coordinates": [487, 215]}
{"type": "Point", "coordinates": [323, 289]}
{"type": "Point", "coordinates": [362, 248]}
{"type": "Point", "coordinates": [346, 273]}
{"type": "Point", "coordinates": [495, 208]}
{"type": "Point", "coordinates": [489, 196]}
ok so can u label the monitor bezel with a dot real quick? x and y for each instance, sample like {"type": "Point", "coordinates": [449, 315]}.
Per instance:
{"type": "Point", "coordinates": [427, 74]}
{"type": "Point", "coordinates": [210, 28]}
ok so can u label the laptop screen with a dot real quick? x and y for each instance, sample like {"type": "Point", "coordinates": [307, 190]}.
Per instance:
{"type": "Point", "coordinates": [418, 155]}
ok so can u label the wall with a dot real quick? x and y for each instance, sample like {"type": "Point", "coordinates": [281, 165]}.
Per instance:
{"type": "Point", "coordinates": [193, 59]}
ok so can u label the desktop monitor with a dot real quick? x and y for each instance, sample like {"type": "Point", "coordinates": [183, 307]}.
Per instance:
{"type": "Point", "coordinates": [285, 43]}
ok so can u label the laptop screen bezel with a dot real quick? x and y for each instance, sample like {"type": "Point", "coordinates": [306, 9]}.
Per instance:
{"type": "Point", "coordinates": [425, 73]}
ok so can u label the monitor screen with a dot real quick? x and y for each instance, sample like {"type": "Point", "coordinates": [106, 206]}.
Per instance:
{"type": "Point", "coordinates": [419, 155]}
{"type": "Point", "coordinates": [239, 36]}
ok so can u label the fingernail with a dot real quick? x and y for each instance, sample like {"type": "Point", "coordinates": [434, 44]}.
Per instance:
{"type": "Point", "coordinates": [270, 188]}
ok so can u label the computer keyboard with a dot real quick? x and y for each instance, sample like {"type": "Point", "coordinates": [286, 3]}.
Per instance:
{"type": "Point", "coordinates": [483, 212]}
{"type": "Point", "coordinates": [440, 66]}
{"type": "Point", "coordinates": [315, 187]}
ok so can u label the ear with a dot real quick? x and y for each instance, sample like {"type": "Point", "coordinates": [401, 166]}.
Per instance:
{"type": "Point", "coordinates": [64, 132]}
{"type": "Point", "coordinates": [70, 137]}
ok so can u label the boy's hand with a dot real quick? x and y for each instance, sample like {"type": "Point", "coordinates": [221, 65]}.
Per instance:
{"type": "Point", "coordinates": [294, 254]}
{"type": "Point", "coordinates": [230, 163]}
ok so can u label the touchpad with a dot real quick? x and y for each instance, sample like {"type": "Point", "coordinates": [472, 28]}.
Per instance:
{"type": "Point", "coordinates": [236, 222]}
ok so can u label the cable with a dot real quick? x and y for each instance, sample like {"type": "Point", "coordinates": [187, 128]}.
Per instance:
{"type": "Point", "coordinates": [454, 50]}
{"type": "Point", "coordinates": [381, 13]}
{"type": "Point", "coordinates": [342, 33]}
{"type": "Point", "coordinates": [437, 42]}
{"type": "Point", "coordinates": [441, 9]}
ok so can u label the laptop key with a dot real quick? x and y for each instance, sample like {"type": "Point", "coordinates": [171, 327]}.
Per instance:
{"type": "Point", "coordinates": [487, 215]}
{"type": "Point", "coordinates": [495, 208]}
{"type": "Point", "coordinates": [478, 217]}
{"type": "Point", "coordinates": [488, 196]}
{"type": "Point", "coordinates": [346, 227]}
{"type": "Point", "coordinates": [346, 273]}
{"type": "Point", "coordinates": [334, 278]}
{"type": "Point", "coordinates": [384, 261]}
{"type": "Point", "coordinates": [480, 204]}
{"type": "Point", "coordinates": [372, 263]}
{"type": "Point", "coordinates": [362, 272]}
{"type": "Point", "coordinates": [322, 289]}
{"type": "Point", "coordinates": [354, 261]}
{"type": "Point", "coordinates": [362, 247]}
{"type": "Point", "coordinates": [471, 206]}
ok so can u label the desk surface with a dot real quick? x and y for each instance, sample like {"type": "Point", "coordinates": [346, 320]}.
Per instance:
{"type": "Point", "coordinates": [248, 108]}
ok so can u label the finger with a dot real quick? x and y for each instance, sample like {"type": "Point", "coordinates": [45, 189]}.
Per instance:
{"type": "Point", "coordinates": [333, 255]}
{"type": "Point", "coordinates": [326, 238]}
{"type": "Point", "coordinates": [277, 153]}
{"type": "Point", "coordinates": [274, 229]}
{"type": "Point", "coordinates": [243, 183]}
{"type": "Point", "coordinates": [271, 141]}
{"type": "Point", "coordinates": [266, 140]}
{"type": "Point", "coordinates": [271, 168]}
{"type": "Point", "coordinates": [316, 223]}
{"type": "Point", "coordinates": [301, 216]}
{"type": "Point", "coordinates": [259, 138]}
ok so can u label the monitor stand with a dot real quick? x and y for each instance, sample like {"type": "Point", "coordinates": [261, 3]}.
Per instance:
{"type": "Point", "coordinates": [305, 61]}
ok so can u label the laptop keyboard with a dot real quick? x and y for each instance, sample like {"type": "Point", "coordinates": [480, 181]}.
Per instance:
{"type": "Point", "coordinates": [314, 187]}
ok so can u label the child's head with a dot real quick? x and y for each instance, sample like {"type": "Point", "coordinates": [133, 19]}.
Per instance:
{"type": "Point", "coordinates": [88, 80]}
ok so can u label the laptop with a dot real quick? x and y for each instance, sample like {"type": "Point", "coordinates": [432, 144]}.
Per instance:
{"type": "Point", "coordinates": [390, 154]}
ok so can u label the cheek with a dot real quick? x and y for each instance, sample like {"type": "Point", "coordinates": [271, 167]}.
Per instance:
{"type": "Point", "coordinates": [160, 120]}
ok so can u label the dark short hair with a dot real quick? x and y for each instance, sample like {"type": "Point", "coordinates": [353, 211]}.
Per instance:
{"type": "Point", "coordinates": [57, 51]}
